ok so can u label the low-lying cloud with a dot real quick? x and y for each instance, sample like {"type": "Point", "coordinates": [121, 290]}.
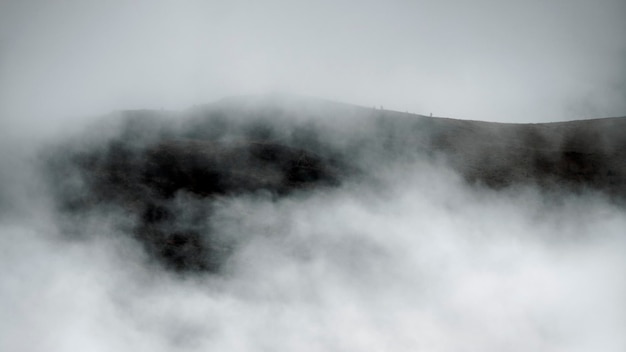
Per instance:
{"type": "Point", "coordinates": [409, 258]}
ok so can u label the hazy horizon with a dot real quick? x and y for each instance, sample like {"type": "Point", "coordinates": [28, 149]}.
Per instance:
{"type": "Point", "coordinates": [522, 61]}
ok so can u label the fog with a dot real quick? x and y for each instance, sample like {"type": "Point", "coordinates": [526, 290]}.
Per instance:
{"type": "Point", "coordinates": [408, 256]}
{"type": "Point", "coordinates": [420, 262]}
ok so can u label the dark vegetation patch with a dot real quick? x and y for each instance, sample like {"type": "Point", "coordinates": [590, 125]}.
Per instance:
{"type": "Point", "coordinates": [166, 173]}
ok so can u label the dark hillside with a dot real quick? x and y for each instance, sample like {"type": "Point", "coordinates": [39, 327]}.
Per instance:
{"type": "Point", "coordinates": [167, 171]}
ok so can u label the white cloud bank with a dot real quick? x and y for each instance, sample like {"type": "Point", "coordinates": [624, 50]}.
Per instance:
{"type": "Point", "coordinates": [418, 263]}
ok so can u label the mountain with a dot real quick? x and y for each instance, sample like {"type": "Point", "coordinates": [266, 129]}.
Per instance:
{"type": "Point", "coordinates": [167, 170]}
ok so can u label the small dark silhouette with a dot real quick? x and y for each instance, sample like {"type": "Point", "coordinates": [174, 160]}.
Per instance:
{"type": "Point", "coordinates": [431, 114]}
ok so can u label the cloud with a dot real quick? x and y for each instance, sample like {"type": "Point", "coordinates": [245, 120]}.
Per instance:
{"type": "Point", "coordinates": [409, 259]}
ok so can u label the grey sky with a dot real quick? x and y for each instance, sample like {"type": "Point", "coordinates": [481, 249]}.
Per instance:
{"type": "Point", "coordinates": [522, 61]}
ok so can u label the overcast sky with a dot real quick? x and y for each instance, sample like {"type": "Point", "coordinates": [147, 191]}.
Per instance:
{"type": "Point", "coordinates": [521, 61]}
